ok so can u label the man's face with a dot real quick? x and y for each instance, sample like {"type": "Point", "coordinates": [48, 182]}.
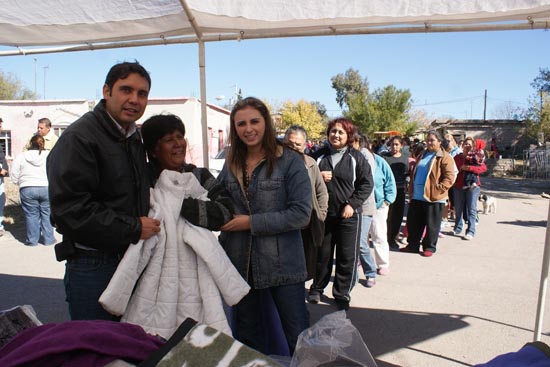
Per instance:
{"type": "Point", "coordinates": [43, 130]}
{"type": "Point", "coordinates": [127, 100]}
{"type": "Point", "coordinates": [297, 141]}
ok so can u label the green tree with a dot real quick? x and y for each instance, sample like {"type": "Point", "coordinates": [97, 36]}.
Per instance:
{"type": "Point", "coordinates": [11, 88]}
{"type": "Point", "coordinates": [348, 85]}
{"type": "Point", "coordinates": [385, 109]}
{"type": "Point", "coordinates": [541, 83]}
{"type": "Point", "coordinates": [537, 115]}
{"type": "Point", "coordinates": [305, 114]}
{"type": "Point", "coordinates": [321, 109]}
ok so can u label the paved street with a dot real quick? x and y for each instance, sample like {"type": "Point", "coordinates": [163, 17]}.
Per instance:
{"type": "Point", "coordinates": [470, 302]}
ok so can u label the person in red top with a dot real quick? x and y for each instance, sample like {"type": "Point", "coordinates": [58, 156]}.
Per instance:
{"type": "Point", "coordinates": [465, 196]}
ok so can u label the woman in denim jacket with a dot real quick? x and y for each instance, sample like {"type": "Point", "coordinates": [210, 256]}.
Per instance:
{"type": "Point", "coordinates": [270, 188]}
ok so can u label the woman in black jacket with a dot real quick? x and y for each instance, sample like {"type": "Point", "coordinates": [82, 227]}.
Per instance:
{"type": "Point", "coordinates": [349, 183]}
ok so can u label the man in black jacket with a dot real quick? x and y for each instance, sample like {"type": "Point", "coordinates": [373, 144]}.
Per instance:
{"type": "Point", "coordinates": [99, 189]}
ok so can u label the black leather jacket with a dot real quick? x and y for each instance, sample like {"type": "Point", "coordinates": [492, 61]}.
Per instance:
{"type": "Point", "coordinates": [98, 183]}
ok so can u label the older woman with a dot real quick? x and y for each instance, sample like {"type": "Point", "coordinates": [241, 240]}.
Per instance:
{"type": "Point", "coordinates": [164, 141]}
{"type": "Point", "coordinates": [349, 183]}
{"type": "Point", "coordinates": [465, 199]}
{"type": "Point", "coordinates": [295, 138]}
{"type": "Point", "coordinates": [270, 188]}
{"type": "Point", "coordinates": [432, 177]}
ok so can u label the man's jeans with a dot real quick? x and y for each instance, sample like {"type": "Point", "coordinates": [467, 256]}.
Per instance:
{"type": "Point", "coordinates": [86, 277]}
{"type": "Point", "coordinates": [466, 206]}
{"type": "Point", "coordinates": [36, 206]}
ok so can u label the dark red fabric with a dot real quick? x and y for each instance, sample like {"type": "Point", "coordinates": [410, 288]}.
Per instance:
{"type": "Point", "coordinates": [77, 344]}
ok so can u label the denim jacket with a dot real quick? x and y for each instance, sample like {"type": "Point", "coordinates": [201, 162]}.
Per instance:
{"type": "Point", "coordinates": [272, 252]}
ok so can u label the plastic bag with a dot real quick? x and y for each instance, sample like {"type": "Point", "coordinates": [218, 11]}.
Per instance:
{"type": "Point", "coordinates": [332, 341]}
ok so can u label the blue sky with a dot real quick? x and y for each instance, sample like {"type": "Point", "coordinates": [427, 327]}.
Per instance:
{"type": "Point", "coordinates": [447, 73]}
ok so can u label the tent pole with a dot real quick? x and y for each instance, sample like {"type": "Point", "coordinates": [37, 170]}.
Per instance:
{"type": "Point", "coordinates": [543, 280]}
{"type": "Point", "coordinates": [202, 73]}
{"type": "Point", "coordinates": [204, 122]}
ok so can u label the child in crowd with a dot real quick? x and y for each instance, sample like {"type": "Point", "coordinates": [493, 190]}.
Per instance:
{"type": "Point", "coordinates": [474, 158]}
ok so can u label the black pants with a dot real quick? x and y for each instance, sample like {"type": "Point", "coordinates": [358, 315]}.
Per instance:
{"type": "Point", "coordinates": [395, 215]}
{"type": "Point", "coordinates": [342, 235]}
{"type": "Point", "coordinates": [423, 214]}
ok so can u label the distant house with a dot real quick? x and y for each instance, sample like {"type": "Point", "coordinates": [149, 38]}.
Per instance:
{"type": "Point", "coordinates": [510, 135]}
{"type": "Point", "coordinates": [21, 119]}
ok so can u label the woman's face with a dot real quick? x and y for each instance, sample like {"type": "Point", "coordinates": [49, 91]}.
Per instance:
{"type": "Point", "coordinates": [337, 136]}
{"type": "Point", "coordinates": [170, 151]}
{"type": "Point", "coordinates": [467, 146]}
{"type": "Point", "coordinates": [395, 147]}
{"type": "Point", "coordinates": [432, 143]}
{"type": "Point", "coordinates": [250, 126]}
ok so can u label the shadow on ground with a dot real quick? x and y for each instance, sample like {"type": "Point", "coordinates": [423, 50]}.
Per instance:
{"type": "Point", "coordinates": [46, 296]}
{"type": "Point", "coordinates": [385, 331]}
{"type": "Point", "coordinates": [14, 222]}
{"type": "Point", "coordinates": [525, 223]}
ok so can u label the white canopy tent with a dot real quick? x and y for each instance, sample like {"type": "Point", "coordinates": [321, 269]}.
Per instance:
{"type": "Point", "coordinates": [47, 26]}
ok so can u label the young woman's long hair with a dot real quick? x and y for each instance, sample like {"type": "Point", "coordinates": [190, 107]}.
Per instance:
{"type": "Point", "coordinates": [37, 143]}
{"type": "Point", "coordinates": [238, 151]}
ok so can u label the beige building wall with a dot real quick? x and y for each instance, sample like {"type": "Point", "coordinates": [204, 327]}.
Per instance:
{"type": "Point", "coordinates": [21, 120]}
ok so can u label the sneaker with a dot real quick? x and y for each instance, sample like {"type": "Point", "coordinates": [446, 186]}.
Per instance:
{"type": "Point", "coordinates": [371, 282]}
{"type": "Point", "coordinates": [409, 250]}
{"type": "Point", "coordinates": [383, 271]}
{"type": "Point", "coordinates": [314, 297]}
{"type": "Point", "coordinates": [427, 253]}
{"type": "Point", "coordinates": [394, 246]}
{"type": "Point", "coordinates": [441, 235]}
{"type": "Point", "coordinates": [469, 237]}
{"type": "Point", "coordinates": [402, 240]}
{"type": "Point", "coordinates": [457, 233]}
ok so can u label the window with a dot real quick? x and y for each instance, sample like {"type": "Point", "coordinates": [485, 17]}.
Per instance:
{"type": "Point", "coordinates": [60, 127]}
{"type": "Point", "coordinates": [5, 142]}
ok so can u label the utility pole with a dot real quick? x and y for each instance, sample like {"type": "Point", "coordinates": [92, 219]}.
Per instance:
{"type": "Point", "coordinates": [485, 106]}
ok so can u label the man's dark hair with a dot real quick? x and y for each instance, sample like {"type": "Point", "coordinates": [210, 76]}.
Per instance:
{"type": "Point", "coordinates": [123, 70]}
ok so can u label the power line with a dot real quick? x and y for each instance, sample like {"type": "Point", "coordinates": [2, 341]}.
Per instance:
{"type": "Point", "coordinates": [459, 100]}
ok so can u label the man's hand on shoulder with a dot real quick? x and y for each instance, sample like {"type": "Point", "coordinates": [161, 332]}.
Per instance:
{"type": "Point", "coordinates": [149, 227]}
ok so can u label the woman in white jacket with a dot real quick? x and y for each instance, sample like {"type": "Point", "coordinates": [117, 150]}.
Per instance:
{"type": "Point", "coordinates": [29, 172]}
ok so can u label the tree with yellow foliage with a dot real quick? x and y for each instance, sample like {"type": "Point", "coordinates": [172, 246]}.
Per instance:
{"type": "Point", "coordinates": [305, 114]}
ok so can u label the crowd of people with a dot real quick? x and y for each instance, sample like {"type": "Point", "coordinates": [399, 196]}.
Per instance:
{"type": "Point", "coordinates": [287, 210]}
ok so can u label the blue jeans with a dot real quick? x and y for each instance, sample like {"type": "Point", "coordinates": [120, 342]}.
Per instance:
{"type": "Point", "coordinates": [290, 303]}
{"type": "Point", "coordinates": [36, 206]}
{"type": "Point", "coordinates": [466, 207]}
{"type": "Point", "coordinates": [365, 255]}
{"type": "Point", "coordinates": [86, 277]}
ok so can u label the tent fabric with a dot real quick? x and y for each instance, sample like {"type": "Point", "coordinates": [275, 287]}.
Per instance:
{"type": "Point", "coordinates": [70, 22]}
